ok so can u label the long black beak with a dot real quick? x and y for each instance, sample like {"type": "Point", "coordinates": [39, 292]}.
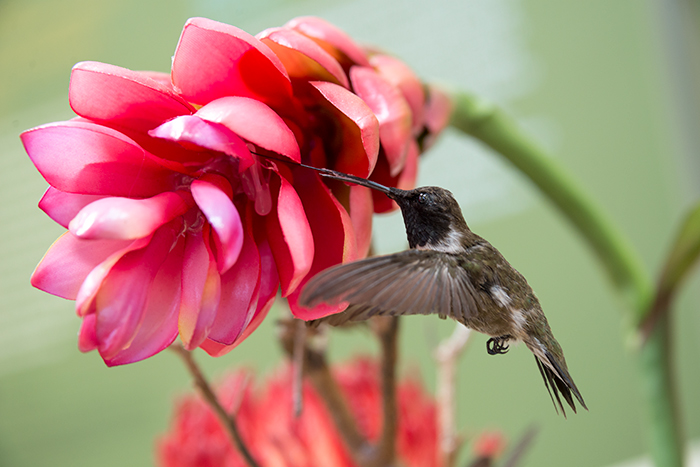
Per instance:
{"type": "Point", "coordinates": [328, 173]}
{"type": "Point", "coordinates": [335, 175]}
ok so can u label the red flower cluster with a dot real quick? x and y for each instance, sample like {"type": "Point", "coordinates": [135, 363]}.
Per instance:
{"type": "Point", "coordinates": [175, 225]}
{"type": "Point", "coordinates": [277, 439]}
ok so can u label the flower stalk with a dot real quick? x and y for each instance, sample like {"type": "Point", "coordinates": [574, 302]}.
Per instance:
{"type": "Point", "coordinates": [447, 355]}
{"type": "Point", "coordinates": [204, 388]}
{"type": "Point", "coordinates": [659, 384]}
{"type": "Point", "coordinates": [485, 122]}
{"type": "Point", "coordinates": [387, 329]}
{"type": "Point", "coordinates": [315, 366]}
{"type": "Point", "coordinates": [298, 368]}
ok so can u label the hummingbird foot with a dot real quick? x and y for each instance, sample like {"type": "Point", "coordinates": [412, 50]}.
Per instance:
{"type": "Point", "coordinates": [498, 345]}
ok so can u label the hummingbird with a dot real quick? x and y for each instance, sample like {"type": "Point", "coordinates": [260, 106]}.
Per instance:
{"type": "Point", "coordinates": [449, 271]}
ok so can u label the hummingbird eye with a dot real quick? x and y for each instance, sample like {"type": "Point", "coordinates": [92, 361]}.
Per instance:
{"type": "Point", "coordinates": [426, 198]}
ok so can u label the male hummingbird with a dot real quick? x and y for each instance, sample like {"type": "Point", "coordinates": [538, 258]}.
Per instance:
{"type": "Point", "coordinates": [448, 271]}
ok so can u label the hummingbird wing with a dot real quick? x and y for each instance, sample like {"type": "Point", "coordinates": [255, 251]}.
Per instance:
{"type": "Point", "coordinates": [406, 283]}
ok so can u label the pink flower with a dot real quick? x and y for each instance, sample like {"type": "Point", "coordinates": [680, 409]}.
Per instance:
{"type": "Point", "coordinates": [174, 226]}
{"type": "Point", "coordinates": [276, 438]}
{"type": "Point", "coordinates": [410, 115]}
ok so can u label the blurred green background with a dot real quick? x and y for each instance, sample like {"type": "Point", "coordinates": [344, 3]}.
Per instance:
{"type": "Point", "coordinates": [594, 81]}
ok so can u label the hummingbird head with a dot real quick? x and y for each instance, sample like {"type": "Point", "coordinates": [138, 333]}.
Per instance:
{"type": "Point", "coordinates": [433, 218]}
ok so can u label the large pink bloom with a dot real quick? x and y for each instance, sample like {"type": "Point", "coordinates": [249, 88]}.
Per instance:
{"type": "Point", "coordinates": [175, 226]}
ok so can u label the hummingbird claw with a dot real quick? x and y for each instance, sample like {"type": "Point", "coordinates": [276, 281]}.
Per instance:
{"type": "Point", "coordinates": [497, 345]}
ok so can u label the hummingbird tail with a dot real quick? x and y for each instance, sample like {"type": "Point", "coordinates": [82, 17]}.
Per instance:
{"type": "Point", "coordinates": [558, 381]}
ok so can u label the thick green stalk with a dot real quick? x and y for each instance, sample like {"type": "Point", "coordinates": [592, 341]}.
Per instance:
{"type": "Point", "coordinates": [491, 126]}
{"type": "Point", "coordinates": [659, 385]}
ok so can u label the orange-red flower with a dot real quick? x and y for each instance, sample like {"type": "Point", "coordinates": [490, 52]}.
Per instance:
{"type": "Point", "coordinates": [175, 226]}
{"type": "Point", "coordinates": [277, 439]}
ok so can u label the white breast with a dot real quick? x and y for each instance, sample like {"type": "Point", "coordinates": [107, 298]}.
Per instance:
{"type": "Point", "coordinates": [450, 244]}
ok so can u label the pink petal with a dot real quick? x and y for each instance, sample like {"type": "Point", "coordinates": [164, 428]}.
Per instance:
{"type": "Point", "coordinates": [214, 349]}
{"type": "Point", "coordinates": [126, 218]}
{"type": "Point", "coordinates": [201, 290]}
{"type": "Point", "coordinates": [321, 29]}
{"type": "Point", "coordinates": [358, 136]}
{"type": "Point", "coordinates": [161, 78]}
{"type": "Point", "coordinates": [122, 97]}
{"type": "Point", "coordinates": [269, 283]}
{"type": "Point", "coordinates": [223, 216]}
{"type": "Point", "coordinates": [290, 236]}
{"type": "Point", "coordinates": [177, 157]}
{"type": "Point", "coordinates": [253, 121]}
{"type": "Point", "coordinates": [400, 75]}
{"type": "Point", "coordinates": [406, 180]}
{"type": "Point", "coordinates": [63, 207]}
{"type": "Point", "coordinates": [121, 300]}
{"type": "Point", "coordinates": [267, 291]}
{"type": "Point", "coordinates": [302, 57]}
{"type": "Point", "coordinates": [87, 337]}
{"type": "Point", "coordinates": [257, 187]}
{"type": "Point", "coordinates": [81, 157]}
{"type": "Point", "coordinates": [361, 213]}
{"type": "Point", "coordinates": [392, 111]}
{"type": "Point", "coordinates": [131, 102]}
{"type": "Point", "coordinates": [189, 130]}
{"type": "Point", "coordinates": [69, 261]}
{"type": "Point", "coordinates": [85, 298]}
{"type": "Point", "coordinates": [215, 60]}
{"type": "Point", "coordinates": [158, 328]}
{"type": "Point", "coordinates": [334, 238]}
{"type": "Point", "coordinates": [438, 109]}
{"type": "Point", "coordinates": [239, 298]}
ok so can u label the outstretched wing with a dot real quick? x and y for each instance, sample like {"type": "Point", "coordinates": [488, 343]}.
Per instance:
{"type": "Point", "coordinates": [407, 283]}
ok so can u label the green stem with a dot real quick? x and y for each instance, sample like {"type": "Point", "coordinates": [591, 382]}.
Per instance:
{"type": "Point", "coordinates": [659, 385]}
{"type": "Point", "coordinates": [491, 126]}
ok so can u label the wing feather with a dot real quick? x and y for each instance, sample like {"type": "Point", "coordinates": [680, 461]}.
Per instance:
{"type": "Point", "coordinates": [404, 296]}
{"type": "Point", "coordinates": [346, 279]}
{"type": "Point", "coordinates": [406, 283]}
{"type": "Point", "coordinates": [420, 296]}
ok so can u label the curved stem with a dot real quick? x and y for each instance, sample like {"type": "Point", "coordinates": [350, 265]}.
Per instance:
{"type": "Point", "coordinates": [492, 127]}
{"type": "Point", "coordinates": [210, 398]}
